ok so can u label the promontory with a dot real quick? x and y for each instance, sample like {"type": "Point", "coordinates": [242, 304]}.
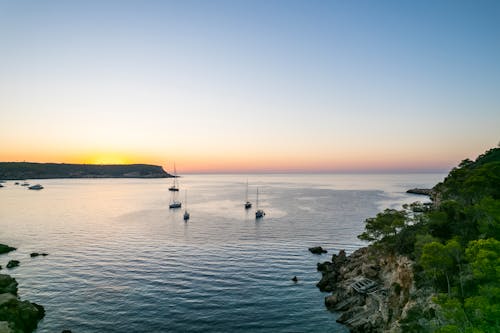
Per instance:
{"type": "Point", "coordinates": [28, 170]}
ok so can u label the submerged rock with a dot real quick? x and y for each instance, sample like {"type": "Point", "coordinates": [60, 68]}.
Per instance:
{"type": "Point", "coordinates": [36, 254]}
{"type": "Point", "coordinates": [317, 250]}
{"type": "Point", "coordinates": [13, 263]}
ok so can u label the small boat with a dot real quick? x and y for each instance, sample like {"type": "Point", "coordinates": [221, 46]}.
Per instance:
{"type": "Point", "coordinates": [175, 204]}
{"type": "Point", "coordinates": [186, 213]}
{"type": "Point", "coordinates": [259, 213]}
{"type": "Point", "coordinates": [16, 183]}
{"type": "Point", "coordinates": [175, 185]}
{"type": "Point", "coordinates": [36, 187]}
{"type": "Point", "coordinates": [248, 204]}
{"type": "Point", "coordinates": [1, 185]}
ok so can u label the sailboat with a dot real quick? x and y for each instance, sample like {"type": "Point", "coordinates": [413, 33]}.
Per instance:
{"type": "Point", "coordinates": [259, 213]}
{"type": "Point", "coordinates": [186, 213]}
{"type": "Point", "coordinates": [174, 203]}
{"type": "Point", "coordinates": [175, 185]}
{"type": "Point", "coordinates": [248, 204]}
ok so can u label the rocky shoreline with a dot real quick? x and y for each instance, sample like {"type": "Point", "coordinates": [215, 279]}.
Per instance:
{"type": "Point", "coordinates": [374, 291]}
{"type": "Point", "coordinates": [16, 316]}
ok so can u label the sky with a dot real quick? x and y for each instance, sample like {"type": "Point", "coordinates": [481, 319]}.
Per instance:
{"type": "Point", "coordinates": [250, 86]}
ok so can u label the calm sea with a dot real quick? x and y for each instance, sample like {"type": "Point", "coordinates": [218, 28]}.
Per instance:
{"type": "Point", "coordinates": [121, 261]}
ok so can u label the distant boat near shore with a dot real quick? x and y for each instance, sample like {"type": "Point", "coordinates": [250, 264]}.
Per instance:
{"type": "Point", "coordinates": [36, 187]}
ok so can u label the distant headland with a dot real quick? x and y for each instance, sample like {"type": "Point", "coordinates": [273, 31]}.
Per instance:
{"type": "Point", "coordinates": [29, 170]}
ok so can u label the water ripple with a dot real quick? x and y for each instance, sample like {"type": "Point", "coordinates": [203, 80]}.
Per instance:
{"type": "Point", "coordinates": [120, 261]}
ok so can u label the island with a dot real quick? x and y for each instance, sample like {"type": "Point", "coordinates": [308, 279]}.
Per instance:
{"type": "Point", "coordinates": [29, 170]}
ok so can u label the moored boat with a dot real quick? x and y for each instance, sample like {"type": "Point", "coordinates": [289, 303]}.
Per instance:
{"type": "Point", "coordinates": [259, 213]}
{"type": "Point", "coordinates": [248, 204]}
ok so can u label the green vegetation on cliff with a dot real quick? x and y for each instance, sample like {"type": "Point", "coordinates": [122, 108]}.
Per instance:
{"type": "Point", "coordinates": [455, 244]}
{"type": "Point", "coordinates": [27, 170]}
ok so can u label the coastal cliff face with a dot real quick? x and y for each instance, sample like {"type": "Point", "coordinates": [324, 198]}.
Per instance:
{"type": "Point", "coordinates": [26, 170]}
{"type": "Point", "coordinates": [391, 296]}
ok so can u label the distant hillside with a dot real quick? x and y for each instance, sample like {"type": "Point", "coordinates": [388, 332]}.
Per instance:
{"type": "Point", "coordinates": [27, 170]}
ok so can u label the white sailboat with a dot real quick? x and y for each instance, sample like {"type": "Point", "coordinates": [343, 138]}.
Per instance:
{"type": "Point", "coordinates": [186, 213]}
{"type": "Point", "coordinates": [175, 184]}
{"type": "Point", "coordinates": [248, 204]}
{"type": "Point", "coordinates": [259, 213]}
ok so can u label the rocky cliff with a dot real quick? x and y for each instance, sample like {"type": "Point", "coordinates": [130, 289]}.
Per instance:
{"type": "Point", "coordinates": [374, 292]}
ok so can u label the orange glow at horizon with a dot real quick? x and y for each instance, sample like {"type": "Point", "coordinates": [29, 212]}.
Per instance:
{"type": "Point", "coordinates": [340, 161]}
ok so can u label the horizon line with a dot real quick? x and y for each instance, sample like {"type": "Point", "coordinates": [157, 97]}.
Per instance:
{"type": "Point", "coordinates": [274, 171]}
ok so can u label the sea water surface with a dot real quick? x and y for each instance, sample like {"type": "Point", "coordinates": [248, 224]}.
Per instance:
{"type": "Point", "coordinates": [121, 261]}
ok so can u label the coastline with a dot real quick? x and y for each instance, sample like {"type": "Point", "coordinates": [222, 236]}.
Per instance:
{"type": "Point", "coordinates": [384, 305]}
{"type": "Point", "coordinates": [374, 290]}
{"type": "Point", "coordinates": [16, 316]}
{"type": "Point", "coordinates": [29, 170]}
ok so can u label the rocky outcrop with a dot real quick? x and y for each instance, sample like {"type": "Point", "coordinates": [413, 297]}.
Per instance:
{"type": "Point", "coordinates": [317, 250]}
{"type": "Point", "coordinates": [13, 263]}
{"type": "Point", "coordinates": [8, 284]}
{"type": "Point", "coordinates": [421, 191]}
{"type": "Point", "coordinates": [5, 248]}
{"type": "Point", "coordinates": [16, 316]}
{"type": "Point", "coordinates": [372, 290]}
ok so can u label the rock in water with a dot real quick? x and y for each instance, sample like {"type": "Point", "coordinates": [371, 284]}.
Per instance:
{"type": "Point", "coordinates": [16, 316]}
{"type": "Point", "coordinates": [5, 248]}
{"type": "Point", "coordinates": [317, 250]}
{"type": "Point", "coordinates": [13, 263]}
{"type": "Point", "coordinates": [22, 316]}
{"type": "Point", "coordinates": [8, 284]}
{"type": "Point", "coordinates": [421, 191]}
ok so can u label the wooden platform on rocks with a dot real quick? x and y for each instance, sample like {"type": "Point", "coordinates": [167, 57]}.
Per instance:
{"type": "Point", "coordinates": [364, 285]}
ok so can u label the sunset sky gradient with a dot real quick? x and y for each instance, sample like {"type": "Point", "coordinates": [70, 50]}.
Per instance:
{"type": "Point", "coordinates": [250, 86]}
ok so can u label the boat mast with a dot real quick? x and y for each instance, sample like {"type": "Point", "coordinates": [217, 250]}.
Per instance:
{"type": "Point", "coordinates": [175, 176]}
{"type": "Point", "coordinates": [246, 195]}
{"type": "Point", "coordinates": [257, 201]}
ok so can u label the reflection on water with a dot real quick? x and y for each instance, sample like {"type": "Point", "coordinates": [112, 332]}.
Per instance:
{"type": "Point", "coordinates": [121, 261]}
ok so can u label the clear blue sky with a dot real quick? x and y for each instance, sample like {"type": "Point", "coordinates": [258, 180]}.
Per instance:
{"type": "Point", "coordinates": [250, 85]}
